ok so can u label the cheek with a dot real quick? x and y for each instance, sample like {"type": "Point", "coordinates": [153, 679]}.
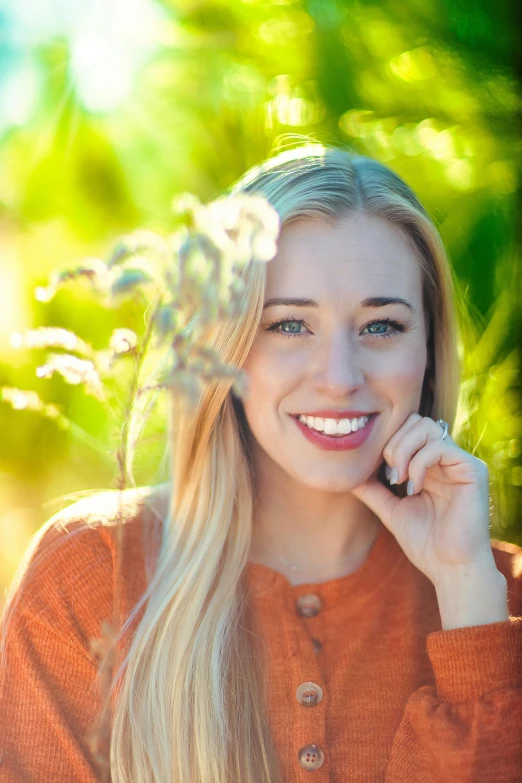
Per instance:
{"type": "Point", "coordinates": [273, 376]}
{"type": "Point", "coordinates": [403, 370]}
{"type": "Point", "coordinates": [268, 378]}
{"type": "Point", "coordinates": [271, 372]}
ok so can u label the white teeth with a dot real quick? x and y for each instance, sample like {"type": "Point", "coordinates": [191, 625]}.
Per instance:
{"type": "Point", "coordinates": [330, 426]}
{"type": "Point", "coordinates": [334, 426]}
{"type": "Point", "coordinates": [344, 427]}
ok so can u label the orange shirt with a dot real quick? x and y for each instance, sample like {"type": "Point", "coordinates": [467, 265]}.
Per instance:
{"type": "Point", "coordinates": [392, 697]}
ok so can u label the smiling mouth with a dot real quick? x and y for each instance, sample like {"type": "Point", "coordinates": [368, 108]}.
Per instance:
{"type": "Point", "coordinates": [328, 427]}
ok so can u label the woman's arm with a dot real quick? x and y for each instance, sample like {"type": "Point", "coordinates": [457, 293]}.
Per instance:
{"type": "Point", "coordinates": [468, 727]}
{"type": "Point", "coordinates": [49, 691]}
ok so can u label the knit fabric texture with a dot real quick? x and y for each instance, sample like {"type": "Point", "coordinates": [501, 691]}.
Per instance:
{"type": "Point", "coordinates": [402, 700]}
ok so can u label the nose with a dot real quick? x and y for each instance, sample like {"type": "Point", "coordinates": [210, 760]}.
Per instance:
{"type": "Point", "coordinates": [338, 365]}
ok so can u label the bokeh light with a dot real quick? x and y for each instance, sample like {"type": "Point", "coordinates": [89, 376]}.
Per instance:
{"type": "Point", "coordinates": [110, 109]}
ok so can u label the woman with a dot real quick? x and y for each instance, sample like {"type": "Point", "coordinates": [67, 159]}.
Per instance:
{"type": "Point", "coordinates": [316, 589]}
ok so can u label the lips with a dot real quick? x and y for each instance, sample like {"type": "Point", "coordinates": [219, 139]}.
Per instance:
{"type": "Point", "coordinates": [341, 442]}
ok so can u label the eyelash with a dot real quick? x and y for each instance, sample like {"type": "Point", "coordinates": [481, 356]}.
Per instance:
{"type": "Point", "coordinates": [398, 327]}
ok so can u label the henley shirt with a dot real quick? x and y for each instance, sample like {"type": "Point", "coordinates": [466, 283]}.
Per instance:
{"type": "Point", "coordinates": [365, 686]}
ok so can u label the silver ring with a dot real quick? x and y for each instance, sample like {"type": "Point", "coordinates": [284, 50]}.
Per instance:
{"type": "Point", "coordinates": [444, 425]}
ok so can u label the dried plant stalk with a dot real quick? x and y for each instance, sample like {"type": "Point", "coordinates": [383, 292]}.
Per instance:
{"type": "Point", "coordinates": [204, 285]}
{"type": "Point", "coordinates": [189, 279]}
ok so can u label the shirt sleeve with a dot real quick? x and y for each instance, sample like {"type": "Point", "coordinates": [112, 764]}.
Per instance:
{"type": "Point", "coordinates": [468, 725]}
{"type": "Point", "coordinates": [50, 696]}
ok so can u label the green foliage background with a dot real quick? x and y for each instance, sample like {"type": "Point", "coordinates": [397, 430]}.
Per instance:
{"type": "Point", "coordinates": [98, 134]}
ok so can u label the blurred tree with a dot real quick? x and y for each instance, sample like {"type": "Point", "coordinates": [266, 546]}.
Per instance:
{"type": "Point", "coordinates": [107, 112]}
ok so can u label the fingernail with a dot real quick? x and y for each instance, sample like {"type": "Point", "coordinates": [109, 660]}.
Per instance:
{"type": "Point", "coordinates": [410, 488]}
{"type": "Point", "coordinates": [394, 476]}
{"type": "Point", "coordinates": [387, 471]}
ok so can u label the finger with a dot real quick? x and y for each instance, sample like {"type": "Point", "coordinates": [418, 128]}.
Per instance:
{"type": "Point", "coordinates": [423, 431]}
{"type": "Point", "coordinates": [446, 455]}
{"type": "Point", "coordinates": [427, 457]}
{"type": "Point", "coordinates": [379, 499]}
{"type": "Point", "coordinates": [405, 427]}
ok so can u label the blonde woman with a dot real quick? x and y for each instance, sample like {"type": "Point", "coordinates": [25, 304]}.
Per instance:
{"type": "Point", "coordinates": [314, 595]}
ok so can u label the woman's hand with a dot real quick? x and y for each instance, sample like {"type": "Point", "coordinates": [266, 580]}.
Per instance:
{"type": "Point", "coordinates": [443, 527]}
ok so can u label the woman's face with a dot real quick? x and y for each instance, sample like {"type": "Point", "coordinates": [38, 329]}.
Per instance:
{"type": "Point", "coordinates": [348, 354]}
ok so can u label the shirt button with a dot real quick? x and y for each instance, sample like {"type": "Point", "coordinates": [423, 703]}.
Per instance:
{"type": "Point", "coordinates": [316, 644]}
{"type": "Point", "coordinates": [309, 694]}
{"type": "Point", "coordinates": [308, 605]}
{"type": "Point", "coordinates": [311, 757]}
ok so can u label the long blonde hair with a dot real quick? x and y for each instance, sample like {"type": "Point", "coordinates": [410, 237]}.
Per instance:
{"type": "Point", "coordinates": [192, 703]}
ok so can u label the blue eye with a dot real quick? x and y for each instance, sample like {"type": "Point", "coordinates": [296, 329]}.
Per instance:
{"type": "Point", "coordinates": [282, 322]}
{"type": "Point", "coordinates": [397, 327]}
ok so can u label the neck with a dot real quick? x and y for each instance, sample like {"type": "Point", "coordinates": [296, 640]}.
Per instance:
{"type": "Point", "coordinates": [326, 535]}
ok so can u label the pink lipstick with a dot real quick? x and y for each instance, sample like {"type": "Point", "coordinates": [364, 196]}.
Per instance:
{"type": "Point", "coordinates": [338, 442]}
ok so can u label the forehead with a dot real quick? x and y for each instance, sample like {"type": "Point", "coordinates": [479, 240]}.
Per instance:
{"type": "Point", "coordinates": [357, 253]}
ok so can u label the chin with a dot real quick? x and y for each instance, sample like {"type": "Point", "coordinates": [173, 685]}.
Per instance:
{"type": "Point", "coordinates": [335, 484]}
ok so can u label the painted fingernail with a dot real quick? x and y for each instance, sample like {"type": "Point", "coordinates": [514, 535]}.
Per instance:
{"type": "Point", "coordinates": [410, 488]}
{"type": "Point", "coordinates": [394, 476]}
{"type": "Point", "coordinates": [387, 470]}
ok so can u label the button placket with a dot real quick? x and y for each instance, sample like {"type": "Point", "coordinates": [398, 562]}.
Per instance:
{"type": "Point", "coordinates": [309, 693]}
{"type": "Point", "coordinates": [309, 606]}
{"type": "Point", "coordinates": [301, 742]}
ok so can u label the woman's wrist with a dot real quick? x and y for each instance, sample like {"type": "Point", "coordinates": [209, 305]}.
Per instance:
{"type": "Point", "coordinates": [472, 595]}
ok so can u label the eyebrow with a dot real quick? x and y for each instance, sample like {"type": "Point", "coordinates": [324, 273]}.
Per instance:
{"type": "Point", "coordinates": [371, 301]}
